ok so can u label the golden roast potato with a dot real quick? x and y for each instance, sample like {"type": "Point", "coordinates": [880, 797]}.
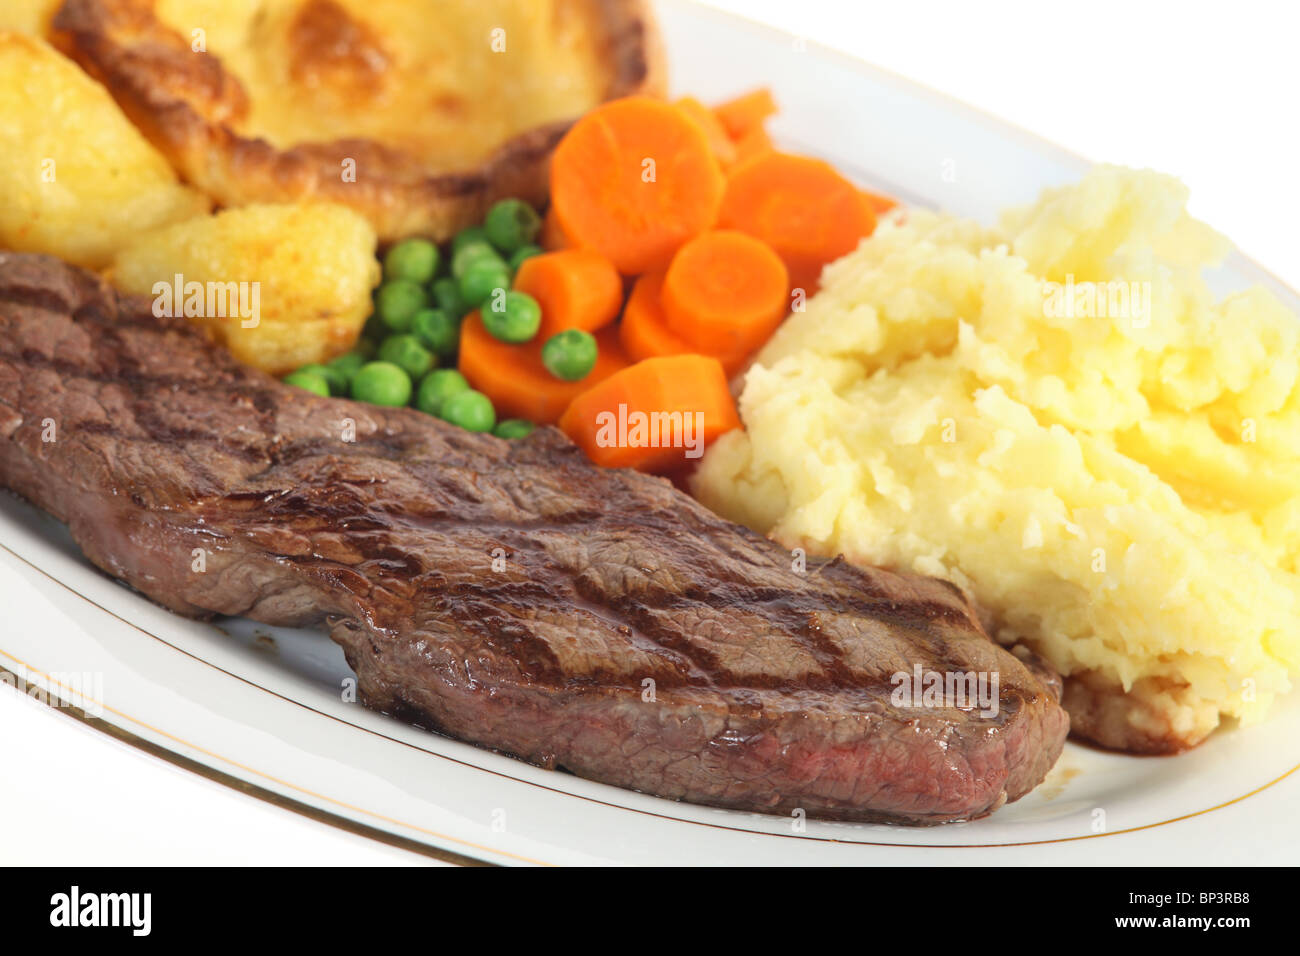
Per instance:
{"type": "Point", "coordinates": [419, 114]}
{"type": "Point", "coordinates": [281, 286]}
{"type": "Point", "coordinates": [27, 16]}
{"type": "Point", "coordinates": [76, 178]}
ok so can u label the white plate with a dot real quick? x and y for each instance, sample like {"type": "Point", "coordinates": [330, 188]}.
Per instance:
{"type": "Point", "coordinates": [263, 709]}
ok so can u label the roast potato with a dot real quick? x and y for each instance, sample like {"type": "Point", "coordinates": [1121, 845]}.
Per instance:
{"type": "Point", "coordinates": [27, 16]}
{"type": "Point", "coordinates": [293, 281]}
{"type": "Point", "coordinates": [76, 177]}
{"type": "Point", "coordinates": [417, 113]}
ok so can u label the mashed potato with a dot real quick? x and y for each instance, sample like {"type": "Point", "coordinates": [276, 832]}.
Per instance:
{"type": "Point", "coordinates": [1060, 417]}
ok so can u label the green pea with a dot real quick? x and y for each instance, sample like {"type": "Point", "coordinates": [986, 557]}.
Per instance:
{"type": "Point", "coordinates": [513, 317]}
{"type": "Point", "coordinates": [436, 387]}
{"type": "Point", "coordinates": [398, 301]}
{"type": "Point", "coordinates": [473, 252]}
{"type": "Point", "coordinates": [522, 253]}
{"type": "Point", "coordinates": [481, 279]}
{"type": "Point", "coordinates": [512, 223]}
{"type": "Point", "coordinates": [406, 352]}
{"type": "Point", "coordinates": [446, 295]}
{"type": "Point", "coordinates": [468, 235]}
{"type": "Point", "coordinates": [437, 331]}
{"type": "Point", "coordinates": [347, 365]}
{"type": "Point", "coordinates": [414, 259]}
{"type": "Point", "coordinates": [309, 381]}
{"type": "Point", "coordinates": [336, 378]}
{"type": "Point", "coordinates": [470, 410]}
{"type": "Point", "coordinates": [570, 355]}
{"type": "Point", "coordinates": [513, 428]}
{"type": "Point", "coordinates": [381, 383]}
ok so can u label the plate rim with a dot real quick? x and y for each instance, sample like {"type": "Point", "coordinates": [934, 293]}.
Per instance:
{"type": "Point", "coordinates": [348, 824]}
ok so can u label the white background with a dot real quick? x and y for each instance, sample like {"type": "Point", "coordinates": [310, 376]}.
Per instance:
{"type": "Point", "coordinates": [1205, 91]}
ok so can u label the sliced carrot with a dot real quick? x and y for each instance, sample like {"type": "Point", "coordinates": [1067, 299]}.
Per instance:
{"type": "Point", "coordinates": [753, 143]}
{"type": "Point", "coordinates": [723, 148]}
{"type": "Point", "coordinates": [633, 180]}
{"type": "Point", "coordinates": [655, 415]}
{"type": "Point", "coordinates": [725, 292]}
{"type": "Point", "coordinates": [514, 377]}
{"type": "Point", "coordinates": [801, 207]}
{"type": "Point", "coordinates": [644, 330]}
{"type": "Point", "coordinates": [744, 113]}
{"type": "Point", "coordinates": [576, 288]}
{"type": "Point", "coordinates": [878, 203]}
{"type": "Point", "coordinates": [553, 237]}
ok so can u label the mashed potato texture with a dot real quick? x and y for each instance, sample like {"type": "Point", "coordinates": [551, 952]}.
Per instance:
{"type": "Point", "coordinates": [1058, 415]}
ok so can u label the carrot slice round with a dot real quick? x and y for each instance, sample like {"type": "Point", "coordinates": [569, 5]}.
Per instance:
{"type": "Point", "coordinates": [725, 292]}
{"type": "Point", "coordinates": [801, 207]}
{"type": "Point", "coordinates": [754, 143]}
{"type": "Point", "coordinates": [576, 288]}
{"type": "Point", "coordinates": [644, 330]}
{"type": "Point", "coordinates": [514, 377]}
{"type": "Point", "coordinates": [633, 180]}
{"type": "Point", "coordinates": [879, 203]}
{"type": "Point", "coordinates": [657, 415]}
{"type": "Point", "coordinates": [553, 237]}
{"type": "Point", "coordinates": [723, 148]}
{"type": "Point", "coordinates": [745, 113]}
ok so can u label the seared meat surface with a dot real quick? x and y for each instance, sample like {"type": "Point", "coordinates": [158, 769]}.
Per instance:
{"type": "Point", "coordinates": [509, 594]}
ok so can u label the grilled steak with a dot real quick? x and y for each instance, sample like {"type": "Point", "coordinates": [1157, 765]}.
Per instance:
{"type": "Point", "coordinates": [505, 593]}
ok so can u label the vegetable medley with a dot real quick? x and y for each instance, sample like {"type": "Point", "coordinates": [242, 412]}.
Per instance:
{"type": "Point", "coordinates": [675, 239]}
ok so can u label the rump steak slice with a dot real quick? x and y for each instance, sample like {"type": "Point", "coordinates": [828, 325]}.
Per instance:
{"type": "Point", "coordinates": [509, 594]}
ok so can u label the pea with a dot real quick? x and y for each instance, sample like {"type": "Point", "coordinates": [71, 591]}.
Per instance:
{"type": "Point", "coordinates": [470, 410]}
{"type": "Point", "coordinates": [381, 383]}
{"type": "Point", "coordinates": [398, 301]}
{"type": "Point", "coordinates": [406, 352]}
{"type": "Point", "coordinates": [346, 365]}
{"type": "Point", "coordinates": [513, 428]}
{"type": "Point", "coordinates": [512, 223]}
{"type": "Point", "coordinates": [437, 331]}
{"type": "Point", "coordinates": [413, 259]}
{"type": "Point", "coordinates": [335, 378]}
{"type": "Point", "coordinates": [471, 253]}
{"type": "Point", "coordinates": [436, 387]}
{"type": "Point", "coordinates": [310, 381]}
{"type": "Point", "coordinates": [514, 317]}
{"type": "Point", "coordinates": [570, 355]}
{"type": "Point", "coordinates": [468, 235]}
{"type": "Point", "coordinates": [481, 279]}
{"type": "Point", "coordinates": [446, 295]}
{"type": "Point", "coordinates": [520, 254]}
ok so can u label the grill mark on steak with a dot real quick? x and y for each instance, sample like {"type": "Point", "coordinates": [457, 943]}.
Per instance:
{"type": "Point", "coordinates": [792, 622]}
{"type": "Point", "coordinates": [772, 688]}
{"type": "Point", "coordinates": [826, 652]}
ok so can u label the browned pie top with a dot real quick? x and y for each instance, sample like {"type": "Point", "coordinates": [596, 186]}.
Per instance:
{"type": "Point", "coordinates": [418, 113]}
